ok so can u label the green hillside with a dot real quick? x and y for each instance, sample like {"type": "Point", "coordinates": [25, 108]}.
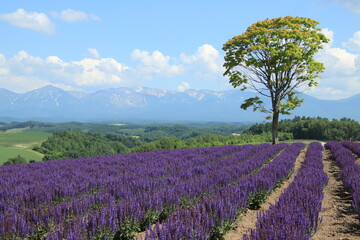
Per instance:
{"type": "Point", "coordinates": [13, 143]}
{"type": "Point", "coordinates": [11, 152]}
{"type": "Point", "coordinates": [22, 139]}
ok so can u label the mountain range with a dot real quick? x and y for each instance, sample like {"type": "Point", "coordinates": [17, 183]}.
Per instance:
{"type": "Point", "coordinates": [125, 104]}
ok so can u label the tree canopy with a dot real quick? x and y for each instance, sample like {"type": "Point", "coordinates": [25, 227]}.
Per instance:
{"type": "Point", "coordinates": [275, 57]}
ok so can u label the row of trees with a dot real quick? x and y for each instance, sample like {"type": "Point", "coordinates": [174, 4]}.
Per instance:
{"type": "Point", "coordinates": [314, 128]}
{"type": "Point", "coordinates": [75, 144]}
{"type": "Point", "coordinates": [16, 160]}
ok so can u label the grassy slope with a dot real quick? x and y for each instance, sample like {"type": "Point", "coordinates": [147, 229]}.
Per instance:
{"type": "Point", "coordinates": [10, 152]}
{"type": "Point", "coordinates": [22, 139]}
{"type": "Point", "coordinates": [14, 143]}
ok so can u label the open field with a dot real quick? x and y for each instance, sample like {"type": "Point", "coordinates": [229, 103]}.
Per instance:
{"type": "Point", "coordinates": [22, 139]}
{"type": "Point", "coordinates": [226, 192]}
{"type": "Point", "coordinates": [16, 142]}
{"type": "Point", "coordinates": [10, 152]}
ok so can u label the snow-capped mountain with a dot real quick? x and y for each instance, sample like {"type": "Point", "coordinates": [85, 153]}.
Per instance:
{"type": "Point", "coordinates": [54, 104]}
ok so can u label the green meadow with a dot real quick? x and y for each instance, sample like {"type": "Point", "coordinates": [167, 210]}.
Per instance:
{"type": "Point", "coordinates": [22, 139]}
{"type": "Point", "coordinates": [11, 152]}
{"type": "Point", "coordinates": [15, 143]}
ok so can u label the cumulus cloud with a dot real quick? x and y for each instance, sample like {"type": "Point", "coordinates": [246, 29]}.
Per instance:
{"type": "Point", "coordinates": [202, 69]}
{"type": "Point", "coordinates": [93, 53]}
{"type": "Point", "coordinates": [329, 34]}
{"type": "Point", "coordinates": [342, 74]}
{"type": "Point", "coordinates": [155, 63]}
{"type": "Point", "coordinates": [183, 87]}
{"type": "Point", "coordinates": [23, 70]}
{"type": "Point", "coordinates": [206, 62]}
{"type": "Point", "coordinates": [352, 5]}
{"type": "Point", "coordinates": [30, 20]}
{"type": "Point", "coordinates": [353, 43]}
{"type": "Point", "coordinates": [70, 15]}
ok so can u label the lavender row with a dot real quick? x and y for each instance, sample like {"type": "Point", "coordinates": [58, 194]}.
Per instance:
{"type": "Point", "coordinates": [107, 208]}
{"type": "Point", "coordinates": [296, 214]}
{"type": "Point", "coordinates": [349, 170]}
{"type": "Point", "coordinates": [132, 212]}
{"type": "Point", "coordinates": [213, 216]}
{"type": "Point", "coordinates": [353, 146]}
{"type": "Point", "coordinates": [73, 177]}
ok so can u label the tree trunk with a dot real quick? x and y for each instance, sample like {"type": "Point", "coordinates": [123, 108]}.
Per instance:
{"type": "Point", "coordinates": [275, 125]}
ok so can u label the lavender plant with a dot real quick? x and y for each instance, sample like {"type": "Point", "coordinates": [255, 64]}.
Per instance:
{"type": "Point", "coordinates": [213, 216]}
{"type": "Point", "coordinates": [296, 214]}
{"type": "Point", "coordinates": [111, 196]}
{"type": "Point", "coordinates": [349, 170]}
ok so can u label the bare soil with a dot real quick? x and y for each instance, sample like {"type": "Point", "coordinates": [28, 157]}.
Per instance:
{"type": "Point", "coordinates": [339, 219]}
{"type": "Point", "coordinates": [247, 221]}
{"type": "Point", "coordinates": [357, 160]}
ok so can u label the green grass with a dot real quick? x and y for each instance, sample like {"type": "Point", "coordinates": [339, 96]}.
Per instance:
{"type": "Point", "coordinates": [15, 143]}
{"type": "Point", "coordinates": [10, 152]}
{"type": "Point", "coordinates": [22, 139]}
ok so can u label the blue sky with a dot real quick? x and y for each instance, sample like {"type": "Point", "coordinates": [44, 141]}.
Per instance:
{"type": "Point", "coordinates": [91, 45]}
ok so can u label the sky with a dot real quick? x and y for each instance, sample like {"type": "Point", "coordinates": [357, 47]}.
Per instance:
{"type": "Point", "coordinates": [91, 45]}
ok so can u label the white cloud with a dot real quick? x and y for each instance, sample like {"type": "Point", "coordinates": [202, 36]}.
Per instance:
{"type": "Point", "coordinates": [183, 87]}
{"type": "Point", "coordinates": [342, 74]}
{"type": "Point", "coordinates": [352, 5]}
{"type": "Point", "coordinates": [155, 63]}
{"type": "Point", "coordinates": [4, 69]}
{"type": "Point", "coordinates": [203, 69]}
{"type": "Point", "coordinates": [93, 53]}
{"type": "Point", "coordinates": [338, 61]}
{"type": "Point", "coordinates": [354, 42]}
{"type": "Point", "coordinates": [23, 71]}
{"type": "Point", "coordinates": [329, 34]}
{"type": "Point", "coordinates": [30, 20]}
{"type": "Point", "coordinates": [206, 62]}
{"type": "Point", "coordinates": [70, 15]}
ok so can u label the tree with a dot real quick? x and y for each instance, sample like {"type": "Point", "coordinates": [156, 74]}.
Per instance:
{"type": "Point", "coordinates": [15, 160]}
{"type": "Point", "coordinates": [275, 57]}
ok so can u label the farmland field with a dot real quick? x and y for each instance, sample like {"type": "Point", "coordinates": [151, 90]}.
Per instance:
{"type": "Point", "coordinates": [11, 152]}
{"type": "Point", "coordinates": [16, 142]}
{"type": "Point", "coordinates": [194, 193]}
{"type": "Point", "coordinates": [22, 139]}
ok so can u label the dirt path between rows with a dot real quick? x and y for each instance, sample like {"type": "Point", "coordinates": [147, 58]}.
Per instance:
{"type": "Point", "coordinates": [339, 220]}
{"type": "Point", "coordinates": [248, 220]}
{"type": "Point", "coordinates": [357, 160]}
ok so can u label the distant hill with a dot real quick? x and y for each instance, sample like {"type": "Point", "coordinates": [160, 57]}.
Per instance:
{"type": "Point", "coordinates": [119, 104]}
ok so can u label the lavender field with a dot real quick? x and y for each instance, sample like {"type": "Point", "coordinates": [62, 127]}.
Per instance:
{"type": "Point", "coordinates": [193, 193]}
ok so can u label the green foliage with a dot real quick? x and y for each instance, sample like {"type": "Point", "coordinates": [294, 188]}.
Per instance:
{"type": "Point", "coordinates": [28, 124]}
{"type": "Point", "coordinates": [182, 132]}
{"type": "Point", "coordinates": [274, 57]}
{"type": "Point", "coordinates": [127, 230]}
{"type": "Point", "coordinates": [129, 142]}
{"type": "Point", "coordinates": [15, 160]}
{"type": "Point", "coordinates": [163, 143]}
{"type": "Point", "coordinates": [220, 230]}
{"type": "Point", "coordinates": [150, 136]}
{"type": "Point", "coordinates": [73, 144]}
{"type": "Point", "coordinates": [313, 128]}
{"type": "Point", "coordinates": [255, 200]}
{"type": "Point", "coordinates": [255, 102]}
{"type": "Point", "coordinates": [104, 233]}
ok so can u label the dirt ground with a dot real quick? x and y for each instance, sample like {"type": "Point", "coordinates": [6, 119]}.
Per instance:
{"type": "Point", "coordinates": [248, 220]}
{"type": "Point", "coordinates": [339, 220]}
{"type": "Point", "coordinates": [358, 160]}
